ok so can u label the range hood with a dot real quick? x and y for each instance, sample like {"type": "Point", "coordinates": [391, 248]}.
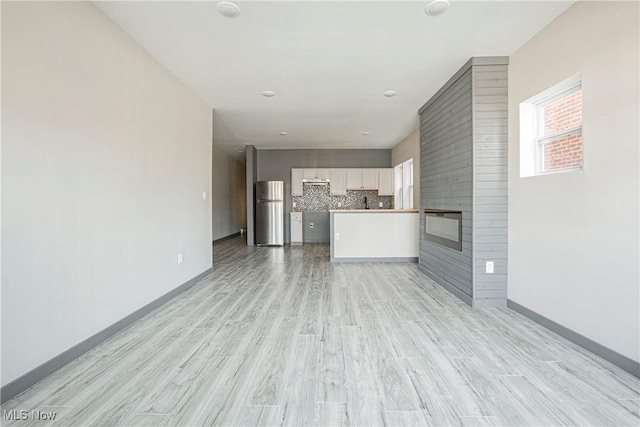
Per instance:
{"type": "Point", "coordinates": [316, 181]}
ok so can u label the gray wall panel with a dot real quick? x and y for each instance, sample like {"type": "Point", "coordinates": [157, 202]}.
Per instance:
{"type": "Point", "coordinates": [488, 83]}
{"type": "Point", "coordinates": [458, 278]}
{"type": "Point", "coordinates": [463, 153]}
{"type": "Point", "coordinates": [444, 259]}
{"type": "Point", "coordinates": [490, 182]}
{"type": "Point", "coordinates": [446, 171]}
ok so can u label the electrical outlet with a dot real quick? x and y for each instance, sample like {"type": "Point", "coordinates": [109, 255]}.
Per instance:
{"type": "Point", "coordinates": [380, 204]}
{"type": "Point", "coordinates": [294, 204]}
{"type": "Point", "coordinates": [179, 258]}
{"type": "Point", "coordinates": [204, 195]}
{"type": "Point", "coordinates": [339, 204]}
{"type": "Point", "coordinates": [489, 267]}
{"type": "Point", "coordinates": [337, 236]}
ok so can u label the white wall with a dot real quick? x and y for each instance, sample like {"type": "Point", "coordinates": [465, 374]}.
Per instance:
{"type": "Point", "coordinates": [229, 195]}
{"type": "Point", "coordinates": [104, 159]}
{"type": "Point", "coordinates": [573, 237]}
{"type": "Point", "coordinates": [409, 148]}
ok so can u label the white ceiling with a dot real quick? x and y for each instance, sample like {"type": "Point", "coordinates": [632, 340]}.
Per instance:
{"type": "Point", "coordinates": [327, 61]}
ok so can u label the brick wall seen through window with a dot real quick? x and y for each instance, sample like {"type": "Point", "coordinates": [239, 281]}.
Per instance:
{"type": "Point", "coordinates": [559, 116]}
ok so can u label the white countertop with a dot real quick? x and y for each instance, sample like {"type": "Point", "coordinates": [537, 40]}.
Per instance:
{"type": "Point", "coordinates": [374, 211]}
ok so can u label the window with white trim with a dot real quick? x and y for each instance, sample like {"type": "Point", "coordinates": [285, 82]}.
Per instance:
{"type": "Point", "coordinates": [397, 194]}
{"type": "Point", "coordinates": [551, 130]}
{"type": "Point", "coordinates": [403, 195]}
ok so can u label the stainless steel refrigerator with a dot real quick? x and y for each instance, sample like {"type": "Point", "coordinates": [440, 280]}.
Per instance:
{"type": "Point", "coordinates": [270, 213]}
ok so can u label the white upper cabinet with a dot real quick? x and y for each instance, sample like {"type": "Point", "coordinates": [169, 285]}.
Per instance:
{"type": "Point", "coordinates": [338, 184]}
{"type": "Point", "coordinates": [323, 173]}
{"type": "Point", "coordinates": [370, 179]}
{"type": "Point", "coordinates": [296, 181]}
{"type": "Point", "coordinates": [316, 173]}
{"type": "Point", "coordinates": [354, 179]}
{"type": "Point", "coordinates": [341, 180]}
{"type": "Point", "coordinates": [386, 185]}
{"type": "Point", "coordinates": [362, 179]}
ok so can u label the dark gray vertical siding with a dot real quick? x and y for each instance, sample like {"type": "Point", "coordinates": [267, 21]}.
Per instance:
{"type": "Point", "coordinates": [463, 151]}
{"type": "Point", "coordinates": [490, 181]}
{"type": "Point", "coordinates": [446, 179]}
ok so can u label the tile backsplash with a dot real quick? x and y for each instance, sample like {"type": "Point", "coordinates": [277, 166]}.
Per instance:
{"type": "Point", "coordinates": [318, 198]}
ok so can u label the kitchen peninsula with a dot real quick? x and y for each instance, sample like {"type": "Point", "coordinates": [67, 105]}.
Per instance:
{"type": "Point", "coordinates": [374, 235]}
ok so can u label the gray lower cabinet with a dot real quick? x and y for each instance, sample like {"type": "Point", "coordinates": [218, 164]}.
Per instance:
{"type": "Point", "coordinates": [316, 227]}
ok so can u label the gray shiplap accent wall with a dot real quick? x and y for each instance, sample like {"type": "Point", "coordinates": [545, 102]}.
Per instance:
{"type": "Point", "coordinates": [446, 175]}
{"type": "Point", "coordinates": [490, 180]}
{"type": "Point", "coordinates": [463, 143]}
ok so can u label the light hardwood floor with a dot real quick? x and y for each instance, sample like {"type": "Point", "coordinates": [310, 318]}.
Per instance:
{"type": "Point", "coordinates": [280, 336]}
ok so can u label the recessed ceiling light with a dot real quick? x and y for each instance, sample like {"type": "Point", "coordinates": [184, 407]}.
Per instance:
{"type": "Point", "coordinates": [269, 93]}
{"type": "Point", "coordinates": [437, 7]}
{"type": "Point", "coordinates": [228, 9]}
{"type": "Point", "coordinates": [366, 133]}
{"type": "Point", "coordinates": [284, 133]}
{"type": "Point", "coordinates": [390, 93]}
